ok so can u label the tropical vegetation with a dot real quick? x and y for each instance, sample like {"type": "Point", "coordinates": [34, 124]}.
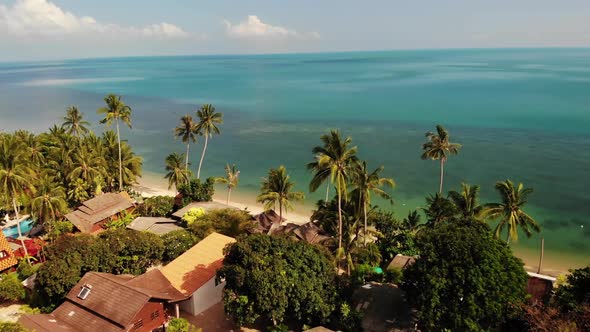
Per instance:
{"type": "Point", "coordinates": [207, 126]}
{"type": "Point", "coordinates": [439, 147]}
{"type": "Point", "coordinates": [277, 189]}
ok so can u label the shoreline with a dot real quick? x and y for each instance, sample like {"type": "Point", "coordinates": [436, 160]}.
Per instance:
{"type": "Point", "coordinates": [554, 263]}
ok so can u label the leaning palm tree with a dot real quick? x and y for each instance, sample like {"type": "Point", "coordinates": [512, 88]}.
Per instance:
{"type": "Point", "coordinates": [277, 188]}
{"type": "Point", "coordinates": [510, 211]}
{"type": "Point", "coordinates": [116, 110]}
{"type": "Point", "coordinates": [177, 174]}
{"type": "Point", "coordinates": [74, 123]}
{"type": "Point", "coordinates": [231, 179]}
{"type": "Point", "coordinates": [49, 201]}
{"type": "Point", "coordinates": [15, 176]}
{"type": "Point", "coordinates": [207, 126]}
{"type": "Point", "coordinates": [439, 147]}
{"type": "Point", "coordinates": [334, 161]}
{"type": "Point", "coordinates": [365, 184]}
{"type": "Point", "coordinates": [467, 201]}
{"type": "Point", "coordinates": [187, 131]}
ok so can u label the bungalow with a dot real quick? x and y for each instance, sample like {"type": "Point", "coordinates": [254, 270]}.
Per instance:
{"type": "Point", "coordinates": [193, 274]}
{"type": "Point", "coordinates": [93, 214]}
{"type": "Point", "coordinates": [401, 261]}
{"type": "Point", "coordinates": [103, 302]}
{"type": "Point", "coordinates": [7, 257]}
{"type": "Point", "coordinates": [539, 286]}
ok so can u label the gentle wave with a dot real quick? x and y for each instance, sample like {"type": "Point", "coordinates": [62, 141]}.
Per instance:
{"type": "Point", "coordinates": [74, 81]}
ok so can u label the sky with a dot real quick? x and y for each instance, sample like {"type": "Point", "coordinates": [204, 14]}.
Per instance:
{"type": "Point", "coordinates": [65, 29]}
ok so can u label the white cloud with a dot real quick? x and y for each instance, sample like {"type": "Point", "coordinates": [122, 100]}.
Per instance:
{"type": "Point", "coordinates": [42, 18]}
{"type": "Point", "coordinates": [254, 28]}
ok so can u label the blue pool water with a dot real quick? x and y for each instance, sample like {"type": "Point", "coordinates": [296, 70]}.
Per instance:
{"type": "Point", "coordinates": [12, 231]}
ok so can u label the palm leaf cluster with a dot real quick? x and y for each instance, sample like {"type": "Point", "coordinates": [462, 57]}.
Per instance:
{"type": "Point", "coordinates": [278, 189]}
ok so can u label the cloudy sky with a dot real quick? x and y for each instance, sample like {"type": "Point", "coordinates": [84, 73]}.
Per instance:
{"type": "Point", "coordinates": [56, 29]}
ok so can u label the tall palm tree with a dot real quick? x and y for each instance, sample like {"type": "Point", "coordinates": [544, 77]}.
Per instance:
{"type": "Point", "coordinates": [15, 176]}
{"type": "Point", "coordinates": [438, 147]}
{"type": "Point", "coordinates": [322, 172]}
{"type": "Point", "coordinates": [87, 165]}
{"type": "Point", "coordinates": [187, 131]}
{"type": "Point", "coordinates": [74, 123]}
{"type": "Point", "coordinates": [116, 110]}
{"type": "Point", "coordinates": [365, 184]}
{"type": "Point", "coordinates": [231, 179]}
{"type": "Point", "coordinates": [334, 160]}
{"type": "Point", "coordinates": [467, 201]}
{"type": "Point", "coordinates": [277, 188]}
{"type": "Point", "coordinates": [131, 165]}
{"type": "Point", "coordinates": [510, 210]}
{"type": "Point", "coordinates": [177, 174]}
{"type": "Point", "coordinates": [207, 126]}
{"type": "Point", "coordinates": [49, 201]}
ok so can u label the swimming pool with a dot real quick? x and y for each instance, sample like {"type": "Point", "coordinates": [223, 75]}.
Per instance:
{"type": "Point", "coordinates": [25, 227]}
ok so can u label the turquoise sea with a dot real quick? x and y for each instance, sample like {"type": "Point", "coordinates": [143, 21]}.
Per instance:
{"type": "Point", "coordinates": [522, 114]}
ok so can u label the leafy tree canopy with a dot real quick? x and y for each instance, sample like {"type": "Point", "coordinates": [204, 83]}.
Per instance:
{"type": "Point", "coordinates": [464, 279]}
{"type": "Point", "coordinates": [275, 279]}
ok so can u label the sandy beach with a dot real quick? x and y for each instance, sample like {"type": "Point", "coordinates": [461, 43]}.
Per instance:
{"type": "Point", "coordinates": [554, 263]}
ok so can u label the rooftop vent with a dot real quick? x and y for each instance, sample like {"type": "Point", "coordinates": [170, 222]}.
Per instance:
{"type": "Point", "coordinates": [84, 292]}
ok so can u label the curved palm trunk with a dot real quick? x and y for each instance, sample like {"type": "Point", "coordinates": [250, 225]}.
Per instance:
{"type": "Point", "coordinates": [20, 234]}
{"type": "Point", "coordinates": [228, 194]}
{"type": "Point", "coordinates": [339, 218]}
{"type": "Point", "coordinates": [120, 163]}
{"type": "Point", "coordinates": [202, 156]}
{"type": "Point", "coordinates": [442, 170]}
{"type": "Point", "coordinates": [186, 160]}
{"type": "Point", "coordinates": [365, 230]}
{"type": "Point", "coordinates": [327, 192]}
{"type": "Point", "coordinates": [508, 238]}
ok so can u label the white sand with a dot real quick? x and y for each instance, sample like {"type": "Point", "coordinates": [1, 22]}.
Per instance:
{"type": "Point", "coordinates": [151, 186]}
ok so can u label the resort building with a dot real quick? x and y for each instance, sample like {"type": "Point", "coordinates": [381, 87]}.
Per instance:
{"type": "Point", "coordinates": [156, 225]}
{"type": "Point", "coordinates": [93, 214]}
{"type": "Point", "coordinates": [401, 261]}
{"type": "Point", "coordinates": [7, 257]}
{"type": "Point", "coordinates": [103, 302]}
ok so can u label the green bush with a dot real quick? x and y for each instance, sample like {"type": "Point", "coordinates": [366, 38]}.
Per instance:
{"type": "Point", "coordinates": [195, 191]}
{"type": "Point", "coordinates": [181, 325]}
{"type": "Point", "coordinates": [394, 275]}
{"type": "Point", "coordinates": [25, 270]}
{"type": "Point", "coordinates": [176, 243]}
{"type": "Point", "coordinates": [55, 229]}
{"type": "Point", "coordinates": [156, 206]}
{"type": "Point", "coordinates": [367, 255]}
{"type": "Point", "coordinates": [575, 293]}
{"type": "Point", "coordinates": [230, 222]}
{"type": "Point", "coordinates": [192, 215]}
{"type": "Point", "coordinates": [12, 327]}
{"type": "Point", "coordinates": [11, 289]}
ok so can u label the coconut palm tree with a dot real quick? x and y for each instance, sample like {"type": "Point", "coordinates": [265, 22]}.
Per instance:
{"type": "Point", "coordinates": [207, 126]}
{"type": "Point", "coordinates": [334, 160]}
{"type": "Point", "coordinates": [277, 188]}
{"type": "Point", "coordinates": [74, 123]}
{"type": "Point", "coordinates": [231, 179]}
{"type": "Point", "coordinates": [365, 184]}
{"type": "Point", "coordinates": [438, 147]}
{"type": "Point", "coordinates": [15, 176]}
{"type": "Point", "coordinates": [467, 201]}
{"type": "Point", "coordinates": [177, 174]}
{"type": "Point", "coordinates": [131, 165]}
{"type": "Point", "coordinates": [87, 165]}
{"type": "Point", "coordinates": [116, 110]}
{"type": "Point", "coordinates": [49, 201]}
{"type": "Point", "coordinates": [187, 131]}
{"type": "Point", "coordinates": [511, 210]}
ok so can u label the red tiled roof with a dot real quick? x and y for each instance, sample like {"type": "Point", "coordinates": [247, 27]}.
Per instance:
{"type": "Point", "coordinates": [10, 260]}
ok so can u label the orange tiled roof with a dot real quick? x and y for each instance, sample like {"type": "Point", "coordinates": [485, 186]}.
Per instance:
{"type": "Point", "coordinates": [6, 262]}
{"type": "Point", "coordinates": [199, 264]}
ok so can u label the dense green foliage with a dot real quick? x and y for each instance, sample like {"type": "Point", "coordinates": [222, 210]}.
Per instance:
{"type": "Point", "coordinates": [55, 229]}
{"type": "Point", "coordinates": [230, 222]}
{"type": "Point", "coordinates": [11, 288]}
{"type": "Point", "coordinates": [177, 173]}
{"type": "Point", "coordinates": [115, 251]}
{"type": "Point", "coordinates": [156, 206]}
{"type": "Point", "coordinates": [275, 280]}
{"type": "Point", "coordinates": [12, 327]}
{"type": "Point", "coordinates": [395, 237]}
{"type": "Point", "coordinates": [576, 292]}
{"type": "Point", "coordinates": [181, 325]}
{"type": "Point", "coordinates": [195, 191]}
{"type": "Point", "coordinates": [26, 270]}
{"type": "Point", "coordinates": [176, 243]}
{"type": "Point", "coordinates": [464, 279]}
{"type": "Point", "coordinates": [192, 215]}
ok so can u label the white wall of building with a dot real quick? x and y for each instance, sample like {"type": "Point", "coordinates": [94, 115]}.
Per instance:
{"type": "Point", "coordinates": [204, 298]}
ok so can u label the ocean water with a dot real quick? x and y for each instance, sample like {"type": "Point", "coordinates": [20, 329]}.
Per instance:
{"type": "Point", "coordinates": [520, 114]}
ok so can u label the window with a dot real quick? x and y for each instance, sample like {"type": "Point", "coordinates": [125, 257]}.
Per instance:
{"type": "Point", "coordinates": [84, 292]}
{"type": "Point", "coordinates": [138, 324]}
{"type": "Point", "coordinates": [3, 254]}
{"type": "Point", "coordinates": [155, 315]}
